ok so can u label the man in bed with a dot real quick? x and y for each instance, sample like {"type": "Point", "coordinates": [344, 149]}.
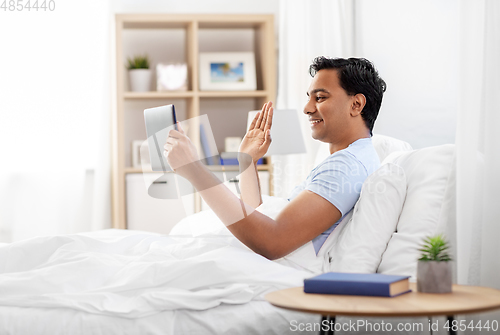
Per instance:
{"type": "Point", "coordinates": [344, 99]}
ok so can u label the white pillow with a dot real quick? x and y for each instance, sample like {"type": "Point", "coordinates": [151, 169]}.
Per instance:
{"type": "Point", "coordinates": [428, 172]}
{"type": "Point", "coordinates": [384, 145]}
{"type": "Point", "coordinates": [207, 223]}
{"type": "Point", "coordinates": [358, 245]}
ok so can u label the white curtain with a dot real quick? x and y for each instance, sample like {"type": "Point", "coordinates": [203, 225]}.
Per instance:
{"type": "Point", "coordinates": [478, 153]}
{"type": "Point", "coordinates": [54, 112]}
{"type": "Point", "coordinates": [307, 29]}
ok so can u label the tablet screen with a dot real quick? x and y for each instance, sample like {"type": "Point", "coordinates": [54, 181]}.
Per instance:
{"type": "Point", "coordinates": [159, 121]}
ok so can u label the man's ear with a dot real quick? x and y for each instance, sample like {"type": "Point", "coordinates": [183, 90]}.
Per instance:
{"type": "Point", "coordinates": [358, 103]}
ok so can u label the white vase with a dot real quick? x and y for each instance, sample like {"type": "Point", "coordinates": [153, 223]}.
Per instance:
{"type": "Point", "coordinates": [433, 277]}
{"type": "Point", "coordinates": [140, 80]}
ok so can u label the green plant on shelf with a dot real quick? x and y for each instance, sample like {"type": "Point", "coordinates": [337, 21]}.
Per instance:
{"type": "Point", "coordinates": [138, 62]}
{"type": "Point", "coordinates": [435, 249]}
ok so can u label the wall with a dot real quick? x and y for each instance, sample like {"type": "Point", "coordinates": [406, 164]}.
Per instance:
{"type": "Point", "coordinates": [414, 45]}
{"type": "Point", "coordinates": [54, 110]}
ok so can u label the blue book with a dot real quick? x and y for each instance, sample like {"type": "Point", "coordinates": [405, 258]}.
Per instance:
{"type": "Point", "coordinates": [234, 161]}
{"type": "Point", "coordinates": [231, 158]}
{"type": "Point", "coordinates": [229, 161]}
{"type": "Point", "coordinates": [209, 158]}
{"type": "Point", "coordinates": [370, 284]}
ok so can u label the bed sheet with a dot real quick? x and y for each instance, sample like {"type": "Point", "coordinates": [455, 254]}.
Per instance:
{"type": "Point", "coordinates": [25, 310]}
{"type": "Point", "coordinates": [137, 275]}
{"type": "Point", "coordinates": [256, 317]}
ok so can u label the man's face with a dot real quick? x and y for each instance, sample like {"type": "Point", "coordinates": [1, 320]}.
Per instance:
{"type": "Point", "coordinates": [328, 107]}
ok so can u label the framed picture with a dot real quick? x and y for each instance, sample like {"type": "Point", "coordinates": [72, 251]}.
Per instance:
{"type": "Point", "coordinates": [227, 71]}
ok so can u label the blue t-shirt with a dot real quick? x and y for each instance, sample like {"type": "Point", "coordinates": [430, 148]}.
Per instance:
{"type": "Point", "coordinates": [339, 178]}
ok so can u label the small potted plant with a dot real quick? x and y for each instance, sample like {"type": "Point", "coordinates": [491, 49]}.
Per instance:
{"type": "Point", "coordinates": [139, 73]}
{"type": "Point", "coordinates": [434, 267]}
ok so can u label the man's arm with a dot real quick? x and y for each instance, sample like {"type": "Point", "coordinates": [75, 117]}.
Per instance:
{"type": "Point", "coordinates": [307, 216]}
{"type": "Point", "coordinates": [253, 147]}
{"type": "Point", "coordinates": [249, 182]}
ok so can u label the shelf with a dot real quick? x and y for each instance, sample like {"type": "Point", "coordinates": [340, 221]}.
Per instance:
{"type": "Point", "coordinates": [138, 170]}
{"type": "Point", "coordinates": [191, 94]}
{"type": "Point", "coordinates": [181, 38]}
{"type": "Point", "coordinates": [158, 95]}
{"type": "Point", "coordinates": [153, 21]}
{"type": "Point", "coordinates": [215, 168]}
{"type": "Point", "coordinates": [260, 167]}
{"type": "Point", "coordinates": [233, 94]}
{"type": "Point", "coordinates": [160, 20]}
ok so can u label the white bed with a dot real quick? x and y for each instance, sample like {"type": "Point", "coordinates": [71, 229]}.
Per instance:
{"type": "Point", "coordinates": [202, 280]}
{"type": "Point", "coordinates": [63, 268]}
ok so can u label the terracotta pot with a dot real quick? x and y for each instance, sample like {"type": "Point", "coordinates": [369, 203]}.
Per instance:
{"type": "Point", "coordinates": [433, 277]}
{"type": "Point", "coordinates": [140, 80]}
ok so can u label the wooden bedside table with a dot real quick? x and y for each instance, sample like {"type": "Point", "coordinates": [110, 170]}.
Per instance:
{"type": "Point", "coordinates": [463, 300]}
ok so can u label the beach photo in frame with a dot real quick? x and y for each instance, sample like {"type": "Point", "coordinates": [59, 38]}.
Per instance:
{"type": "Point", "coordinates": [227, 71]}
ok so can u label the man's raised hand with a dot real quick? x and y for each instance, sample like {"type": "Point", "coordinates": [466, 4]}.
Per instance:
{"type": "Point", "coordinates": [258, 137]}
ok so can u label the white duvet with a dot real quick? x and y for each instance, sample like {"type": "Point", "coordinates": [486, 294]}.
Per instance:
{"type": "Point", "coordinates": [134, 274]}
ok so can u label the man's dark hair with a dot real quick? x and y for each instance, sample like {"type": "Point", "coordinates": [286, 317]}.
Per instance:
{"type": "Point", "coordinates": [356, 75]}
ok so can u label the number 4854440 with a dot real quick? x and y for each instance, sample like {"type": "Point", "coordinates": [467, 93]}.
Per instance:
{"type": "Point", "coordinates": [22, 5]}
{"type": "Point", "coordinates": [462, 325]}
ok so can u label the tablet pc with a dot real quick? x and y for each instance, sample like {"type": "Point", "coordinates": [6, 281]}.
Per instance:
{"type": "Point", "coordinates": [159, 121]}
